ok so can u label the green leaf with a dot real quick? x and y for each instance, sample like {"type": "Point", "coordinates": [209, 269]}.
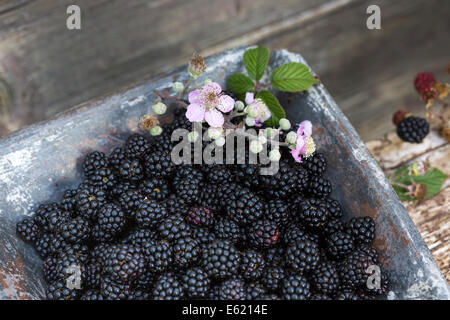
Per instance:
{"type": "Point", "coordinates": [256, 61]}
{"type": "Point", "coordinates": [274, 106]}
{"type": "Point", "coordinates": [239, 84]}
{"type": "Point", "coordinates": [292, 77]}
{"type": "Point", "coordinates": [433, 179]}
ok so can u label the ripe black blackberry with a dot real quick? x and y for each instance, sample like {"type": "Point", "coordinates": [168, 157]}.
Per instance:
{"type": "Point", "coordinates": [220, 259]}
{"type": "Point", "coordinates": [346, 295]}
{"type": "Point", "coordinates": [94, 160]}
{"type": "Point", "coordinates": [174, 227]}
{"type": "Point", "coordinates": [92, 294]}
{"type": "Point", "coordinates": [275, 255]}
{"type": "Point", "coordinates": [244, 207]}
{"type": "Point", "coordinates": [320, 297]}
{"type": "Point", "coordinates": [150, 213]}
{"type": "Point", "coordinates": [313, 213]}
{"type": "Point", "coordinates": [188, 190]}
{"type": "Point", "coordinates": [155, 188]}
{"type": "Point", "coordinates": [49, 269]}
{"type": "Point", "coordinates": [231, 289]}
{"type": "Point", "coordinates": [121, 187]}
{"type": "Point", "coordinates": [204, 236]}
{"type": "Point", "coordinates": [67, 260]}
{"type": "Point", "coordinates": [263, 233]}
{"type": "Point", "coordinates": [339, 244]}
{"type": "Point", "coordinates": [210, 197]}
{"type": "Point", "coordinates": [217, 173]}
{"type": "Point", "coordinates": [103, 178]}
{"type": "Point", "coordinates": [334, 207]}
{"type": "Point", "coordinates": [362, 229]}
{"type": "Point", "coordinates": [274, 277]}
{"type": "Point", "coordinates": [111, 289]}
{"type": "Point", "coordinates": [315, 164]}
{"type": "Point", "coordinates": [124, 263]}
{"type": "Point", "coordinates": [294, 232]}
{"type": "Point", "coordinates": [139, 237]}
{"type": "Point", "coordinates": [76, 230]}
{"type": "Point", "coordinates": [130, 201]}
{"type": "Point", "coordinates": [353, 269]}
{"type": "Point", "coordinates": [332, 226]}
{"type": "Point", "coordinates": [247, 170]}
{"type": "Point", "coordinates": [111, 219]}
{"type": "Point", "coordinates": [224, 228]}
{"type": "Point", "coordinates": [131, 170]}
{"type": "Point", "coordinates": [185, 251]}
{"type": "Point", "coordinates": [277, 211]}
{"type": "Point", "coordinates": [158, 164]}
{"type": "Point", "coordinates": [28, 230]}
{"type": "Point", "coordinates": [319, 187]}
{"type": "Point", "coordinates": [295, 287]}
{"type": "Point", "coordinates": [48, 244]}
{"type": "Point", "coordinates": [101, 236]}
{"type": "Point", "coordinates": [175, 205]}
{"type": "Point", "coordinates": [94, 272]}
{"type": "Point", "coordinates": [168, 287]}
{"type": "Point", "coordinates": [252, 264]}
{"type": "Point", "coordinates": [159, 255]}
{"type": "Point", "coordinates": [189, 172]}
{"type": "Point", "coordinates": [325, 278]}
{"type": "Point", "coordinates": [303, 255]}
{"type": "Point", "coordinates": [255, 291]}
{"type": "Point", "coordinates": [413, 129]}
{"type": "Point", "coordinates": [196, 283]}
{"type": "Point", "coordinates": [50, 220]}
{"type": "Point", "coordinates": [58, 290]}
{"type": "Point", "coordinates": [370, 251]}
{"type": "Point", "coordinates": [116, 157]}
{"type": "Point", "coordinates": [137, 146]}
{"type": "Point", "coordinates": [68, 202]}
{"type": "Point", "coordinates": [89, 200]}
{"type": "Point", "coordinates": [162, 142]}
{"type": "Point", "coordinates": [200, 216]}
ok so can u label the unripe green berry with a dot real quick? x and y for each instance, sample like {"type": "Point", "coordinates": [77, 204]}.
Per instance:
{"type": "Point", "coordinates": [262, 139]}
{"type": "Point", "coordinates": [178, 87]}
{"type": "Point", "coordinates": [220, 142]}
{"type": "Point", "coordinates": [239, 105]}
{"type": "Point", "coordinates": [193, 136]}
{"type": "Point", "coordinates": [156, 131]}
{"type": "Point", "coordinates": [291, 137]}
{"type": "Point", "coordinates": [215, 133]}
{"type": "Point", "coordinates": [159, 108]}
{"type": "Point", "coordinates": [256, 146]}
{"type": "Point", "coordinates": [250, 121]}
{"type": "Point", "coordinates": [285, 124]}
{"type": "Point", "coordinates": [253, 112]}
{"type": "Point", "coordinates": [274, 155]}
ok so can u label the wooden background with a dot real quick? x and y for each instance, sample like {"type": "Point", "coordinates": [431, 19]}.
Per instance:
{"type": "Point", "coordinates": [46, 68]}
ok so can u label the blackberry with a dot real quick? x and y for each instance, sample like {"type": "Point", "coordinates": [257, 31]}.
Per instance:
{"type": "Point", "coordinates": [252, 264]}
{"type": "Point", "coordinates": [175, 205]}
{"type": "Point", "coordinates": [111, 289]}
{"type": "Point", "coordinates": [188, 190]}
{"type": "Point", "coordinates": [332, 226]}
{"type": "Point", "coordinates": [293, 233]}
{"type": "Point", "coordinates": [273, 278]}
{"type": "Point", "coordinates": [67, 260]}
{"type": "Point", "coordinates": [220, 259]}
{"type": "Point", "coordinates": [124, 263]}
{"type": "Point", "coordinates": [103, 178]}
{"type": "Point", "coordinates": [101, 236]}
{"type": "Point", "coordinates": [137, 146]}
{"type": "Point", "coordinates": [210, 198]}
{"type": "Point", "coordinates": [217, 173]}
{"type": "Point", "coordinates": [131, 170]}
{"type": "Point", "coordinates": [58, 290]}
{"type": "Point", "coordinates": [339, 244]}
{"type": "Point", "coordinates": [325, 279]}
{"type": "Point", "coordinates": [319, 187]}
{"type": "Point", "coordinates": [320, 297]}
{"type": "Point", "coordinates": [334, 207]}
{"type": "Point", "coordinates": [313, 213]}
{"type": "Point", "coordinates": [94, 270]}
{"type": "Point", "coordinates": [49, 269]}
{"type": "Point", "coordinates": [277, 211]}
{"type": "Point", "coordinates": [263, 233]}
{"type": "Point", "coordinates": [121, 187]}
{"type": "Point", "coordinates": [89, 200]}
{"type": "Point", "coordinates": [158, 254]}
{"type": "Point", "coordinates": [244, 207]}
{"type": "Point", "coordinates": [232, 289]}
{"type": "Point", "coordinates": [255, 291]}
{"type": "Point", "coordinates": [162, 143]}
{"type": "Point", "coordinates": [362, 229]}
{"type": "Point", "coordinates": [155, 188]}
{"type": "Point", "coordinates": [382, 291]}
{"type": "Point", "coordinates": [28, 230]}
{"type": "Point", "coordinates": [130, 201]}
{"type": "Point", "coordinates": [116, 157]}
{"type": "Point", "coordinates": [68, 202]}
{"type": "Point", "coordinates": [139, 237]}
{"type": "Point", "coordinates": [275, 256]}
{"type": "Point", "coordinates": [196, 283]}
{"type": "Point", "coordinates": [295, 287]}
{"type": "Point", "coordinates": [77, 230]}
{"type": "Point", "coordinates": [185, 251]}
{"type": "Point", "coordinates": [48, 244]}
{"type": "Point", "coordinates": [111, 219]}
{"type": "Point", "coordinates": [225, 228]}
{"type": "Point", "coordinates": [352, 270]}
{"type": "Point", "coordinates": [315, 164]}
{"type": "Point", "coordinates": [204, 236]}
{"type": "Point", "coordinates": [158, 164]}
{"type": "Point", "coordinates": [248, 174]}
{"type": "Point", "coordinates": [303, 255]}
{"type": "Point", "coordinates": [94, 160]}
{"type": "Point", "coordinates": [150, 213]}
{"type": "Point", "coordinates": [346, 295]}
{"type": "Point", "coordinates": [92, 294]}
{"type": "Point", "coordinates": [370, 251]}
{"type": "Point", "coordinates": [174, 227]}
{"type": "Point", "coordinates": [168, 287]}
{"type": "Point", "coordinates": [144, 282]}
{"type": "Point", "coordinates": [413, 129]}
{"type": "Point", "coordinates": [200, 216]}
{"type": "Point", "coordinates": [52, 219]}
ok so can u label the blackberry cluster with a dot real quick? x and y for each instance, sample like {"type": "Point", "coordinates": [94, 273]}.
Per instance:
{"type": "Point", "coordinates": [413, 129]}
{"type": "Point", "coordinates": [140, 227]}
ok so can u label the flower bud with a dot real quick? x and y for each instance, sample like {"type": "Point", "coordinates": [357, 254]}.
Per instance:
{"type": "Point", "coordinates": [291, 137]}
{"type": "Point", "coordinates": [262, 139]}
{"type": "Point", "coordinates": [193, 136]}
{"type": "Point", "coordinates": [285, 124]}
{"type": "Point", "coordinates": [197, 65]}
{"type": "Point", "coordinates": [156, 131]}
{"type": "Point", "coordinates": [178, 87]}
{"type": "Point", "coordinates": [250, 121]}
{"type": "Point", "coordinates": [274, 155]}
{"type": "Point", "coordinates": [207, 81]}
{"type": "Point", "coordinates": [239, 105]}
{"type": "Point", "coordinates": [220, 142]}
{"type": "Point", "coordinates": [215, 133]}
{"type": "Point", "coordinates": [256, 146]}
{"type": "Point", "coordinates": [159, 108]}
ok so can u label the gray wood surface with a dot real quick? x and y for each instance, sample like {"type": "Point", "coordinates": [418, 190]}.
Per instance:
{"type": "Point", "coordinates": [46, 68]}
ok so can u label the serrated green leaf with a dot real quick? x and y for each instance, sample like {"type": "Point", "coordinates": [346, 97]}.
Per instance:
{"type": "Point", "coordinates": [239, 84]}
{"type": "Point", "coordinates": [274, 106]}
{"type": "Point", "coordinates": [433, 179]}
{"type": "Point", "coordinates": [256, 61]}
{"type": "Point", "coordinates": [292, 77]}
